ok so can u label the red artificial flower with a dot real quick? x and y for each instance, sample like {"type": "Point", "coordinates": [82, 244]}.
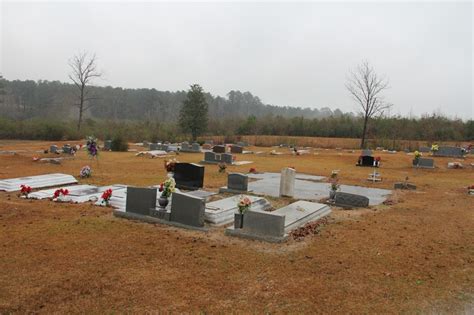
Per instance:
{"type": "Point", "coordinates": [252, 170]}
{"type": "Point", "coordinates": [378, 159]}
{"type": "Point", "coordinates": [25, 189]}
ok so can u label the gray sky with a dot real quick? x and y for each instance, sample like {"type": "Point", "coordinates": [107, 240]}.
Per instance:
{"type": "Point", "coordinates": [295, 54]}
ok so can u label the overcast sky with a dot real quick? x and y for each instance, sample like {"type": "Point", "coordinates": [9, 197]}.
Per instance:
{"type": "Point", "coordinates": [295, 54]}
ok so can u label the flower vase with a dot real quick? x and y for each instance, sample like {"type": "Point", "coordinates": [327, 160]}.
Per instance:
{"type": "Point", "coordinates": [238, 220]}
{"type": "Point", "coordinates": [163, 202]}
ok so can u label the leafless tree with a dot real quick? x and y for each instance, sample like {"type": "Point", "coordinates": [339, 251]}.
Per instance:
{"type": "Point", "coordinates": [365, 87]}
{"type": "Point", "coordinates": [84, 70]}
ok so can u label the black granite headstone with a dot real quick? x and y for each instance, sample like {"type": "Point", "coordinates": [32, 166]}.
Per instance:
{"type": "Point", "coordinates": [189, 176]}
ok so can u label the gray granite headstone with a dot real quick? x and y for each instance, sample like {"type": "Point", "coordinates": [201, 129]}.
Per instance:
{"type": "Point", "coordinates": [209, 156]}
{"type": "Point", "coordinates": [423, 163]}
{"type": "Point", "coordinates": [449, 151]}
{"type": "Point", "coordinates": [218, 149]}
{"type": "Point", "coordinates": [227, 158]}
{"type": "Point", "coordinates": [237, 181]}
{"type": "Point", "coordinates": [343, 199]}
{"type": "Point", "coordinates": [67, 149]}
{"type": "Point", "coordinates": [187, 209]}
{"type": "Point", "coordinates": [195, 147]}
{"type": "Point", "coordinates": [140, 200]}
{"type": "Point", "coordinates": [264, 224]}
{"type": "Point", "coordinates": [53, 148]}
{"type": "Point", "coordinates": [154, 146]}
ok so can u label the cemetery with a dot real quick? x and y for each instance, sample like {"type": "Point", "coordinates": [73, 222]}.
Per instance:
{"type": "Point", "coordinates": [248, 212]}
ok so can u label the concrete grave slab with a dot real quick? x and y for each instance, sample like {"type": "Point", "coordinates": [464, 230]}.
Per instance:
{"type": "Point", "coordinates": [222, 211]}
{"type": "Point", "coordinates": [38, 181]}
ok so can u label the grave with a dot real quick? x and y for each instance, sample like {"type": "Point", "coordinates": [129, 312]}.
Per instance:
{"type": "Point", "coordinates": [275, 226]}
{"type": "Point", "coordinates": [287, 182]}
{"type": "Point", "coordinates": [236, 149]}
{"type": "Point", "coordinates": [53, 149]}
{"type": "Point", "coordinates": [347, 200]}
{"type": "Point", "coordinates": [310, 187]}
{"type": "Point", "coordinates": [448, 151]}
{"type": "Point", "coordinates": [187, 210]}
{"type": "Point", "coordinates": [38, 181]}
{"type": "Point", "coordinates": [218, 149]}
{"type": "Point", "coordinates": [189, 176]}
{"type": "Point", "coordinates": [366, 161]}
{"type": "Point", "coordinates": [222, 211]}
{"type": "Point", "coordinates": [423, 163]}
{"type": "Point", "coordinates": [237, 183]}
{"type": "Point", "coordinates": [140, 200]}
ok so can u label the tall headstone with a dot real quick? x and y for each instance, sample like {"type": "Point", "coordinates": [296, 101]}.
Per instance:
{"type": "Point", "coordinates": [187, 209]}
{"type": "Point", "coordinates": [189, 176]}
{"type": "Point", "coordinates": [140, 200]}
{"type": "Point", "coordinates": [287, 182]}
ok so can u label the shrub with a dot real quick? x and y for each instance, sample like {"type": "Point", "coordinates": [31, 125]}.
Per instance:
{"type": "Point", "coordinates": [119, 144]}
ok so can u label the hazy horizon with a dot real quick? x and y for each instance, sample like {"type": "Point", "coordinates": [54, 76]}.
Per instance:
{"type": "Point", "coordinates": [287, 54]}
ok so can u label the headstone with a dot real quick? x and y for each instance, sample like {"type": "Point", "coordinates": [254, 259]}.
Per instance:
{"type": "Point", "coordinates": [238, 182]}
{"type": "Point", "coordinates": [196, 147]}
{"type": "Point", "coordinates": [403, 185]}
{"type": "Point", "coordinates": [67, 149]}
{"type": "Point", "coordinates": [343, 199]}
{"type": "Point", "coordinates": [366, 160]}
{"type": "Point", "coordinates": [154, 146]}
{"type": "Point", "coordinates": [53, 149]}
{"type": "Point", "coordinates": [236, 149]}
{"type": "Point", "coordinates": [189, 176]}
{"type": "Point", "coordinates": [227, 158]}
{"type": "Point", "coordinates": [449, 151]}
{"type": "Point", "coordinates": [242, 144]}
{"type": "Point", "coordinates": [209, 156]}
{"type": "Point", "coordinates": [108, 145]}
{"type": "Point", "coordinates": [423, 163]}
{"type": "Point", "coordinates": [218, 149]}
{"type": "Point", "coordinates": [145, 143]}
{"type": "Point", "coordinates": [366, 152]}
{"type": "Point", "coordinates": [287, 182]}
{"type": "Point", "coordinates": [140, 200]}
{"type": "Point", "coordinates": [187, 209]}
{"type": "Point", "coordinates": [264, 224]}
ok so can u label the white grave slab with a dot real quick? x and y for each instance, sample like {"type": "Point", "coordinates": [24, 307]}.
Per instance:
{"type": "Point", "coordinates": [48, 193]}
{"type": "Point", "coordinates": [38, 181]}
{"type": "Point", "coordinates": [222, 211]}
{"type": "Point", "coordinates": [299, 213]}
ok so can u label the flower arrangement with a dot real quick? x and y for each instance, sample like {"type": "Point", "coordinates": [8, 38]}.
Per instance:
{"type": "Point", "coordinates": [334, 180]}
{"type": "Point", "coordinates": [85, 172]}
{"type": "Point", "coordinates": [106, 195]}
{"type": "Point", "coordinates": [470, 190]}
{"type": "Point", "coordinates": [417, 155]}
{"type": "Point", "coordinates": [167, 187]}
{"type": "Point", "coordinates": [244, 204]}
{"type": "Point", "coordinates": [434, 147]}
{"type": "Point", "coordinates": [92, 148]}
{"type": "Point", "coordinates": [25, 190]}
{"type": "Point", "coordinates": [252, 170]}
{"type": "Point", "coordinates": [60, 192]}
{"type": "Point", "coordinates": [222, 167]}
{"type": "Point", "coordinates": [170, 165]}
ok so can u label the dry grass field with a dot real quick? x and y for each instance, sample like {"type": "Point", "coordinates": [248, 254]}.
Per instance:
{"type": "Point", "coordinates": [414, 256]}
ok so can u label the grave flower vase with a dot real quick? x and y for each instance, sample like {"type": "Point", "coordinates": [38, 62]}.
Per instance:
{"type": "Point", "coordinates": [238, 220]}
{"type": "Point", "coordinates": [163, 202]}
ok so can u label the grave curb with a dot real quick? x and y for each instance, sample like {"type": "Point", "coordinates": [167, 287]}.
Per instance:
{"type": "Point", "coordinates": [149, 219]}
{"type": "Point", "coordinates": [238, 233]}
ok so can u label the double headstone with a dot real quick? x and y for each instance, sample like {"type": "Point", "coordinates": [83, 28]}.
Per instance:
{"type": "Point", "coordinates": [287, 182]}
{"type": "Point", "coordinates": [218, 149]}
{"type": "Point", "coordinates": [343, 199]}
{"type": "Point", "coordinates": [140, 200]}
{"type": "Point", "coordinates": [189, 176]}
{"type": "Point", "coordinates": [449, 151]}
{"type": "Point", "coordinates": [187, 209]}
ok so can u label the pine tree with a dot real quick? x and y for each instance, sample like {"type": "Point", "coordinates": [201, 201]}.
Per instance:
{"type": "Point", "coordinates": [193, 116]}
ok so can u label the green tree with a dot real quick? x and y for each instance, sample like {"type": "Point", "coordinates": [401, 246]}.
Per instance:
{"type": "Point", "coordinates": [193, 116]}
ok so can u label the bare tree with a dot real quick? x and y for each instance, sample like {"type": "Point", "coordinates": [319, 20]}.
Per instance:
{"type": "Point", "coordinates": [365, 87]}
{"type": "Point", "coordinates": [84, 70]}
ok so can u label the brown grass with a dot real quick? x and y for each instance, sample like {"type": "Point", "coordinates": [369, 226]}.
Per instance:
{"type": "Point", "coordinates": [416, 256]}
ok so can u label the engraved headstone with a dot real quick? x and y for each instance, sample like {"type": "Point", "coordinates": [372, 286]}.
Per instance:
{"type": "Point", "coordinates": [343, 199]}
{"type": "Point", "coordinates": [187, 209]}
{"type": "Point", "coordinates": [238, 182]}
{"type": "Point", "coordinates": [189, 176]}
{"type": "Point", "coordinates": [140, 200]}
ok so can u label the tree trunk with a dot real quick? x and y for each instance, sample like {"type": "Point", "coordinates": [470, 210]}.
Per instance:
{"type": "Point", "coordinates": [362, 142]}
{"type": "Point", "coordinates": [81, 107]}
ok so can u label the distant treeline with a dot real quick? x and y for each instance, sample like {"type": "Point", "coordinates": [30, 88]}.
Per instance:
{"type": "Point", "coordinates": [30, 99]}
{"type": "Point", "coordinates": [42, 110]}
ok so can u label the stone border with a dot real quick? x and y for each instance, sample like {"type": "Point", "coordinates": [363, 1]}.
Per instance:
{"type": "Point", "coordinates": [150, 219]}
{"type": "Point", "coordinates": [239, 233]}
